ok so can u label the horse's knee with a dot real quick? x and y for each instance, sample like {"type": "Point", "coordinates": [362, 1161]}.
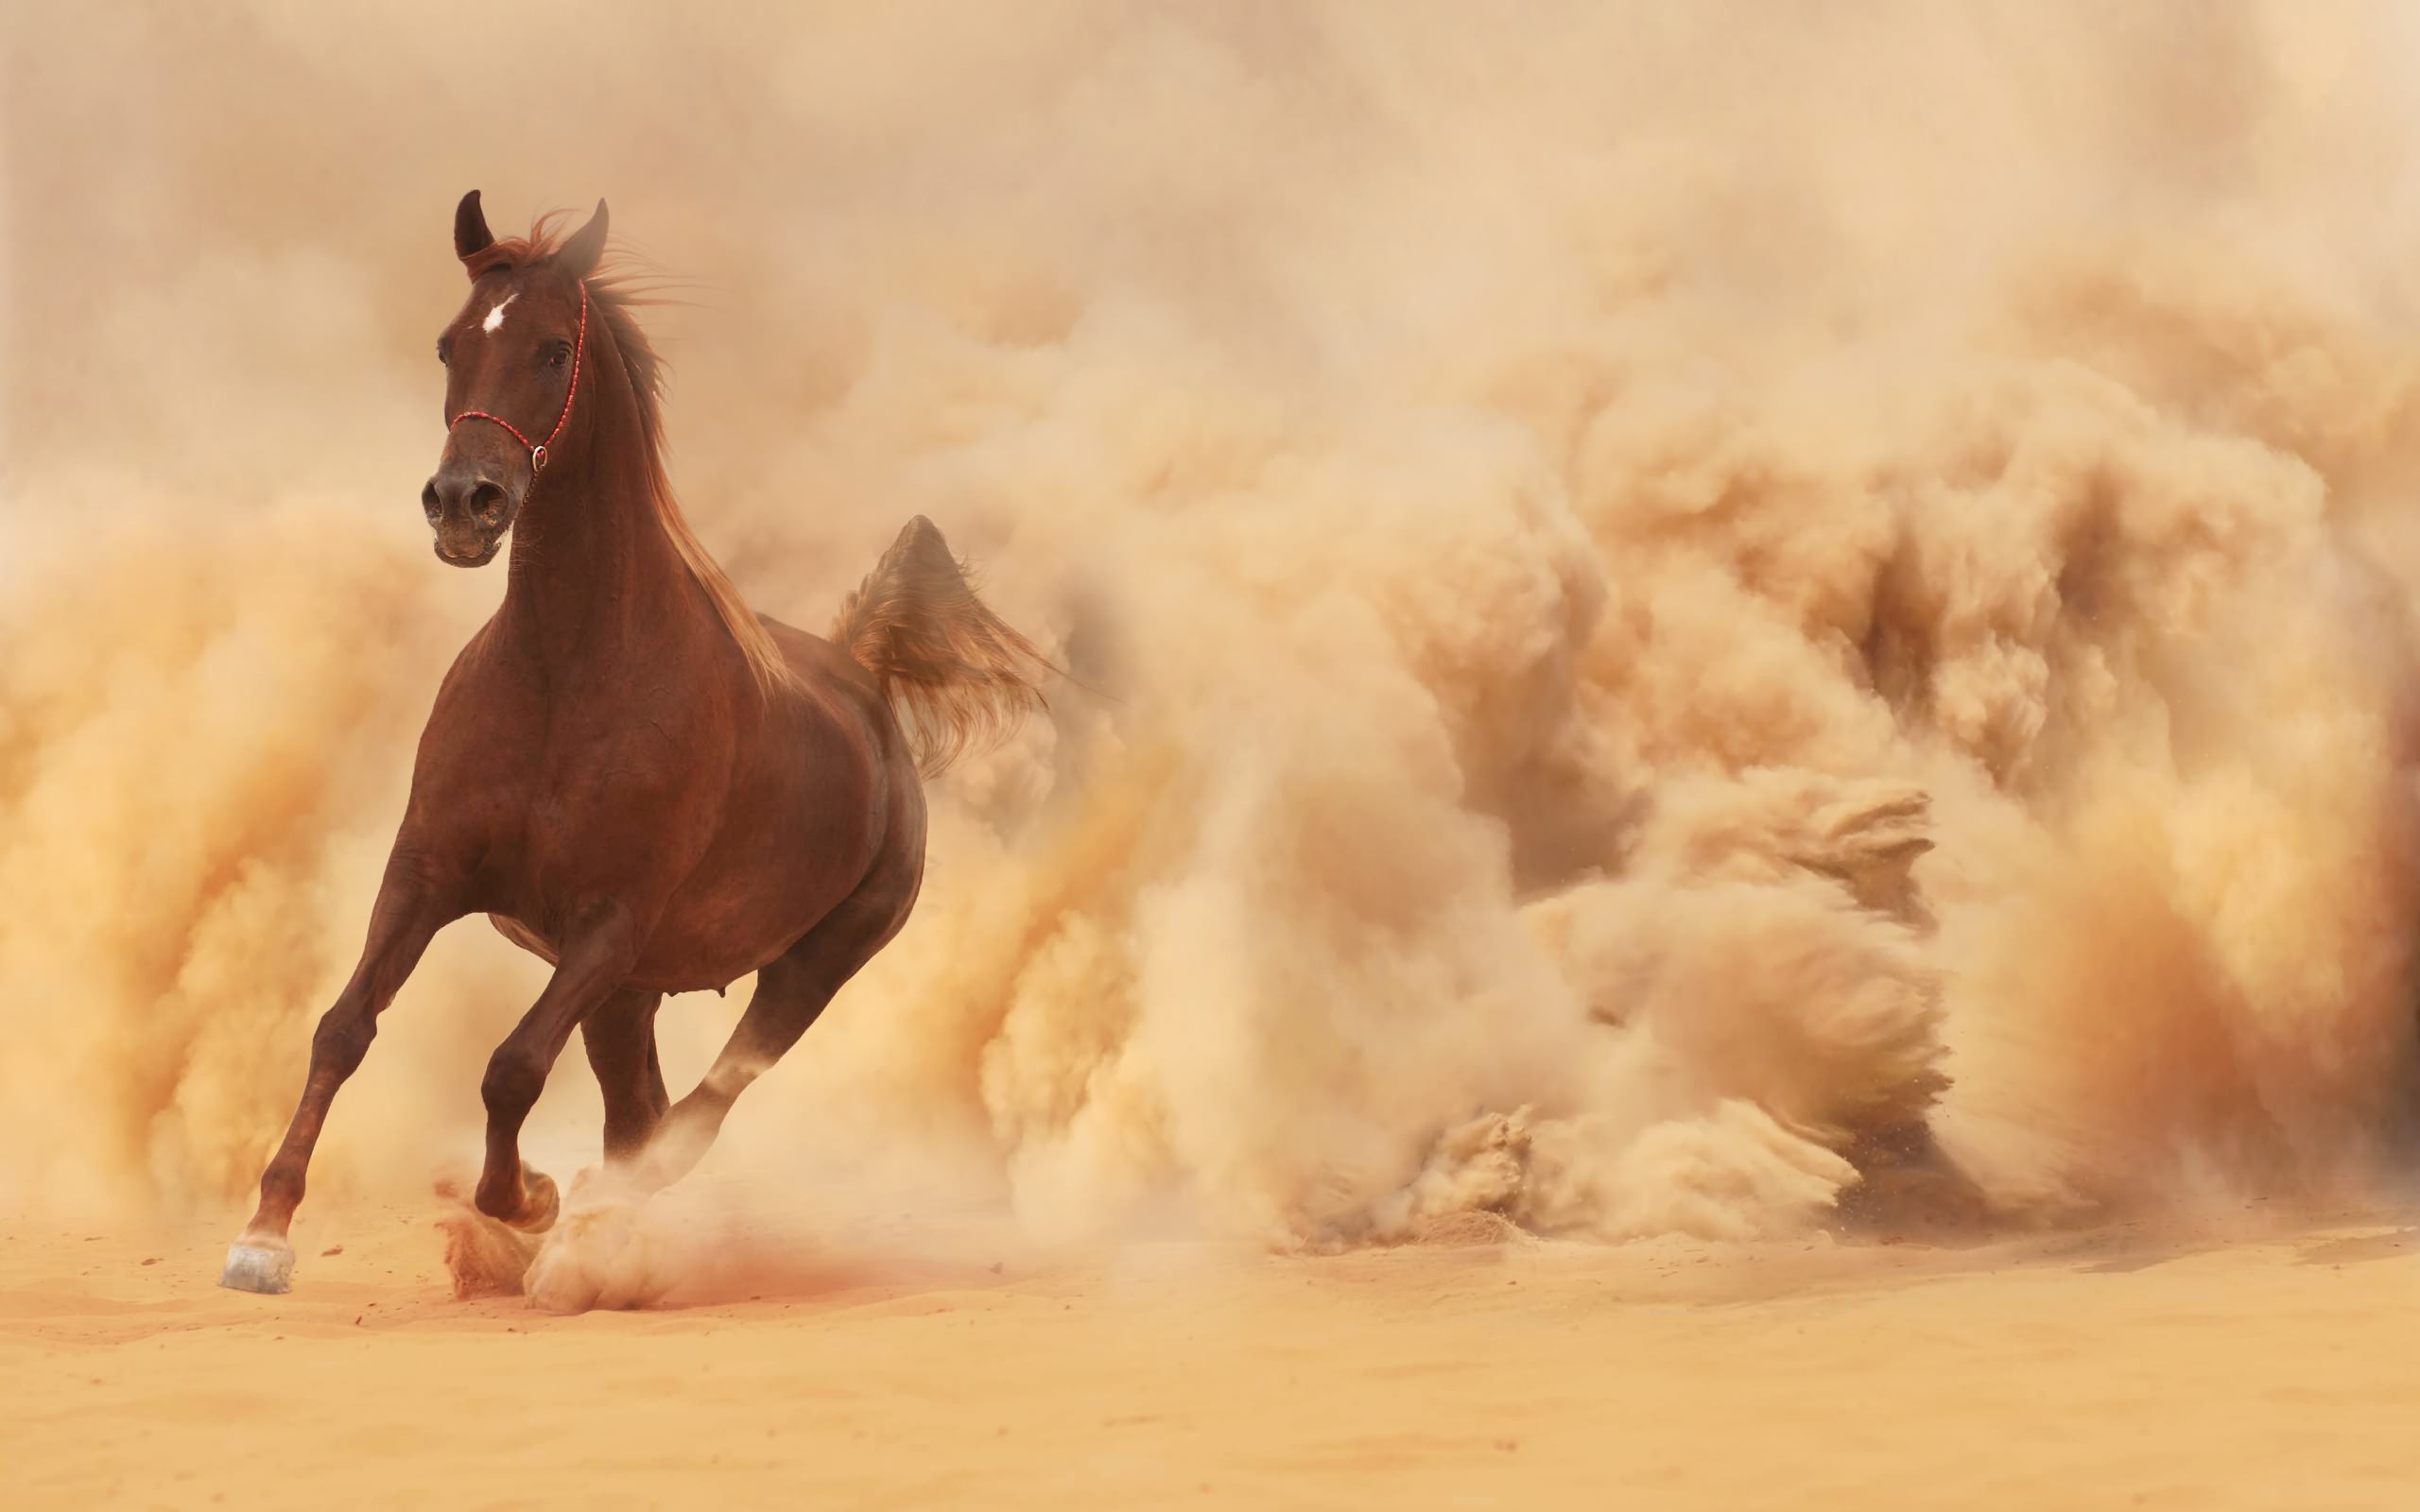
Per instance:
{"type": "Point", "coordinates": [514, 1078]}
{"type": "Point", "coordinates": [342, 1038]}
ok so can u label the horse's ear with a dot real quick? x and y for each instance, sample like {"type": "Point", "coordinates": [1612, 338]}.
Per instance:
{"type": "Point", "coordinates": [471, 234]}
{"type": "Point", "coordinates": [579, 254]}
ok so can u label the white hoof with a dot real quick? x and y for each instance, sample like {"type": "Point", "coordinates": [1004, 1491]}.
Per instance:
{"type": "Point", "coordinates": [264, 1265]}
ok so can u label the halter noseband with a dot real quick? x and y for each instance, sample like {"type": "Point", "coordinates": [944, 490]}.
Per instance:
{"type": "Point", "coordinates": [538, 449]}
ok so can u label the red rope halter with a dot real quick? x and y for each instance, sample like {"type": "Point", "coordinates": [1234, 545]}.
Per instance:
{"type": "Point", "coordinates": [538, 449]}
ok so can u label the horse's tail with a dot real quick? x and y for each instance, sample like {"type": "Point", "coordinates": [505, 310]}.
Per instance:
{"type": "Point", "coordinates": [958, 677]}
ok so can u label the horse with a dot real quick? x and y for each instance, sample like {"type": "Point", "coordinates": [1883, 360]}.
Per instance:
{"type": "Point", "coordinates": [629, 772]}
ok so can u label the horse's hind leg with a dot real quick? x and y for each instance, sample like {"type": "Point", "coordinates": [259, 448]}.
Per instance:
{"type": "Point", "coordinates": [791, 995]}
{"type": "Point", "coordinates": [620, 1037]}
{"type": "Point", "coordinates": [595, 960]}
{"type": "Point", "coordinates": [409, 911]}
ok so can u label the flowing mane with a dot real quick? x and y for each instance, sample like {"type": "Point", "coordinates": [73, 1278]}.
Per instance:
{"type": "Point", "coordinates": [614, 292]}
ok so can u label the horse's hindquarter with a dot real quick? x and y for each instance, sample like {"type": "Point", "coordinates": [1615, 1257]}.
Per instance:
{"type": "Point", "coordinates": [814, 790]}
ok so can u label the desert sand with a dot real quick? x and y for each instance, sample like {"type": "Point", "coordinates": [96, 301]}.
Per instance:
{"type": "Point", "coordinates": [2120, 1368]}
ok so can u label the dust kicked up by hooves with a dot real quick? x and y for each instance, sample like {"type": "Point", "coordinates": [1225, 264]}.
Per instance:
{"type": "Point", "coordinates": [609, 1247]}
{"type": "Point", "coordinates": [1696, 633]}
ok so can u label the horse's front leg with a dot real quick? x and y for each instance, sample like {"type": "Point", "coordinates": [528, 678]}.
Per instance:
{"type": "Point", "coordinates": [621, 1035]}
{"type": "Point", "coordinates": [413, 904]}
{"type": "Point", "coordinates": [596, 956]}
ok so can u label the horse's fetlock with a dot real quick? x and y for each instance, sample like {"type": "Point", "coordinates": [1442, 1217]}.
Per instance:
{"type": "Point", "coordinates": [499, 1199]}
{"type": "Point", "coordinates": [282, 1182]}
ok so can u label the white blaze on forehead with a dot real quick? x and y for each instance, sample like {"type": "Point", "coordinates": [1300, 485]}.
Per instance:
{"type": "Point", "coordinates": [495, 317]}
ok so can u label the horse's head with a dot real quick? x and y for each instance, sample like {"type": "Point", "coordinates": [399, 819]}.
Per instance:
{"type": "Point", "coordinates": [512, 358]}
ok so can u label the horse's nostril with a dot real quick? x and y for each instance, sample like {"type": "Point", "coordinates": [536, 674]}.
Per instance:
{"type": "Point", "coordinates": [487, 501]}
{"type": "Point", "coordinates": [428, 499]}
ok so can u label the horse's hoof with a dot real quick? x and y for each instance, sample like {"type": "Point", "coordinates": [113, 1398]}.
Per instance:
{"type": "Point", "coordinates": [264, 1265]}
{"type": "Point", "coordinates": [541, 1204]}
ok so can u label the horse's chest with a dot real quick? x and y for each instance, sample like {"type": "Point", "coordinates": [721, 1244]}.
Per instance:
{"type": "Point", "coordinates": [597, 811]}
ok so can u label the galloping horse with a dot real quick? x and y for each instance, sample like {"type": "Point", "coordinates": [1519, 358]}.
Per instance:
{"type": "Point", "coordinates": [627, 771]}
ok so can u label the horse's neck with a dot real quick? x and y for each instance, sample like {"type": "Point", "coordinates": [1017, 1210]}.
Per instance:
{"type": "Point", "coordinates": [594, 579]}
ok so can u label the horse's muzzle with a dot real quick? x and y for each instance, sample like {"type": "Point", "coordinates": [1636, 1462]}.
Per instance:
{"type": "Point", "coordinates": [476, 556]}
{"type": "Point", "coordinates": [469, 513]}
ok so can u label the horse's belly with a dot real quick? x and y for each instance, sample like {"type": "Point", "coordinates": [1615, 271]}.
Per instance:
{"type": "Point", "coordinates": [666, 964]}
{"type": "Point", "coordinates": [709, 936]}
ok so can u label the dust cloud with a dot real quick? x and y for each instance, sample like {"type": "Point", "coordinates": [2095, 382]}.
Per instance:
{"type": "Point", "coordinates": [1704, 614]}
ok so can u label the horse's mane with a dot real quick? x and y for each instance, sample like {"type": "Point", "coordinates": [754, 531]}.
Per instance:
{"type": "Point", "coordinates": [615, 290]}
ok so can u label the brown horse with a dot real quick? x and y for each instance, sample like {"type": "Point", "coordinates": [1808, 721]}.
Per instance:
{"type": "Point", "coordinates": [629, 772]}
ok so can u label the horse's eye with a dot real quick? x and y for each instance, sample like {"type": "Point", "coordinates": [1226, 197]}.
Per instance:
{"type": "Point", "coordinates": [444, 350]}
{"type": "Point", "coordinates": [557, 352]}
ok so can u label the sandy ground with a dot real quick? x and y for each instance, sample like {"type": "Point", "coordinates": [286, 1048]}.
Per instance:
{"type": "Point", "coordinates": [2117, 1369]}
